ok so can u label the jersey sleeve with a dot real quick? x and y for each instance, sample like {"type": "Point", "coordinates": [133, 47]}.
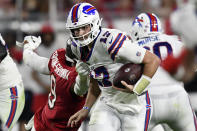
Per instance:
{"type": "Point", "coordinates": [120, 47]}
{"type": "Point", "coordinates": [36, 62]}
{"type": "Point", "coordinates": [131, 52]}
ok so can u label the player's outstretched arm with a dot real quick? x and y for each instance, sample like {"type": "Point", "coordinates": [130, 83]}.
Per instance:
{"type": "Point", "coordinates": [30, 58]}
{"type": "Point", "coordinates": [92, 96]}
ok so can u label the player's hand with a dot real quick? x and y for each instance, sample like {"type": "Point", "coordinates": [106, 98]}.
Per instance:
{"type": "Point", "coordinates": [77, 118]}
{"type": "Point", "coordinates": [128, 88]}
{"type": "Point", "coordinates": [82, 68]}
{"type": "Point", "coordinates": [30, 42]}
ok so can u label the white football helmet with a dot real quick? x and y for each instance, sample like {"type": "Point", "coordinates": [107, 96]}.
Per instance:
{"type": "Point", "coordinates": [144, 25]}
{"type": "Point", "coordinates": [80, 15]}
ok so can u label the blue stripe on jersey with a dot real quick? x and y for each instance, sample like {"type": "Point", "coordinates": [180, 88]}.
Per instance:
{"type": "Point", "coordinates": [114, 43]}
{"type": "Point", "coordinates": [14, 97]}
{"type": "Point", "coordinates": [74, 44]}
{"type": "Point", "coordinates": [117, 48]}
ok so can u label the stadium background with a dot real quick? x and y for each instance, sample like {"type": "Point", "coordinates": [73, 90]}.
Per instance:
{"type": "Point", "coordinates": [26, 17]}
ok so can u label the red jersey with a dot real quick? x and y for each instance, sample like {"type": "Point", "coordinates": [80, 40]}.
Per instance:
{"type": "Point", "coordinates": [61, 102]}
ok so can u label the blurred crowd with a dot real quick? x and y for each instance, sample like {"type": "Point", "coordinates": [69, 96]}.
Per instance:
{"type": "Point", "coordinates": [37, 86]}
{"type": "Point", "coordinates": [32, 9]}
{"type": "Point", "coordinates": [45, 10]}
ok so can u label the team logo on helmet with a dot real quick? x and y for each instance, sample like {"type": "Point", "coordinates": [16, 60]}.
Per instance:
{"type": "Point", "coordinates": [90, 10]}
{"type": "Point", "coordinates": [138, 21]}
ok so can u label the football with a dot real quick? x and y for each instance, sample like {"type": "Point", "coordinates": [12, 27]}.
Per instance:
{"type": "Point", "coordinates": [130, 73]}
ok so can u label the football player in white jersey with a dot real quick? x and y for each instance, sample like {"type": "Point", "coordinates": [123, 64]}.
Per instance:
{"type": "Point", "coordinates": [170, 100]}
{"type": "Point", "coordinates": [104, 51]}
{"type": "Point", "coordinates": [183, 22]}
{"type": "Point", "coordinates": [12, 97]}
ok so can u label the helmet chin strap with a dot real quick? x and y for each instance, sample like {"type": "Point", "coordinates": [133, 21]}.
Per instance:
{"type": "Point", "coordinates": [91, 36]}
{"type": "Point", "coordinates": [84, 42]}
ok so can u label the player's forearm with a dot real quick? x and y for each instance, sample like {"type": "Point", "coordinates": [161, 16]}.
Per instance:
{"type": "Point", "coordinates": [93, 94]}
{"type": "Point", "coordinates": [81, 85]}
{"type": "Point", "coordinates": [36, 62]}
{"type": "Point", "coordinates": [151, 64]}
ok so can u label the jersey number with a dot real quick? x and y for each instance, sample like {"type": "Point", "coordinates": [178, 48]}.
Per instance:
{"type": "Point", "coordinates": [157, 46]}
{"type": "Point", "coordinates": [52, 94]}
{"type": "Point", "coordinates": [103, 71]}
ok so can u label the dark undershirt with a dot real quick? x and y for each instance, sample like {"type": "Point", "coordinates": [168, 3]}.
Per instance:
{"type": "Point", "coordinates": [3, 51]}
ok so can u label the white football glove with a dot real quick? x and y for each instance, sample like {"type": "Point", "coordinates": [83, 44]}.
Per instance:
{"type": "Point", "coordinates": [30, 42]}
{"type": "Point", "coordinates": [82, 68]}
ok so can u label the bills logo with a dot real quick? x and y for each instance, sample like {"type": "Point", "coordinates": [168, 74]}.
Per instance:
{"type": "Point", "coordinates": [13, 97]}
{"type": "Point", "coordinates": [137, 21]}
{"type": "Point", "coordinates": [138, 54]}
{"type": "Point", "coordinates": [148, 106]}
{"type": "Point", "coordinates": [90, 10]}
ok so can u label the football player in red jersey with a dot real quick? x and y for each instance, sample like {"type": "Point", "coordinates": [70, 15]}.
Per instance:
{"type": "Point", "coordinates": [63, 100]}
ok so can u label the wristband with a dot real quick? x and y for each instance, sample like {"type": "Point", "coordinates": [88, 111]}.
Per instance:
{"type": "Point", "coordinates": [142, 83]}
{"type": "Point", "coordinates": [86, 108]}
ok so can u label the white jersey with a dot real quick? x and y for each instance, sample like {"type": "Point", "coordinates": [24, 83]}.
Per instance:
{"type": "Point", "coordinates": [9, 74]}
{"type": "Point", "coordinates": [184, 22]}
{"type": "Point", "coordinates": [162, 45]}
{"type": "Point", "coordinates": [111, 49]}
{"type": "Point", "coordinates": [166, 91]}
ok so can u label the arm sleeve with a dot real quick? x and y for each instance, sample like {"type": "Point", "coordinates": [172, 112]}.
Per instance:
{"type": "Point", "coordinates": [36, 62]}
{"type": "Point", "coordinates": [131, 52]}
{"type": "Point", "coordinates": [120, 47]}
